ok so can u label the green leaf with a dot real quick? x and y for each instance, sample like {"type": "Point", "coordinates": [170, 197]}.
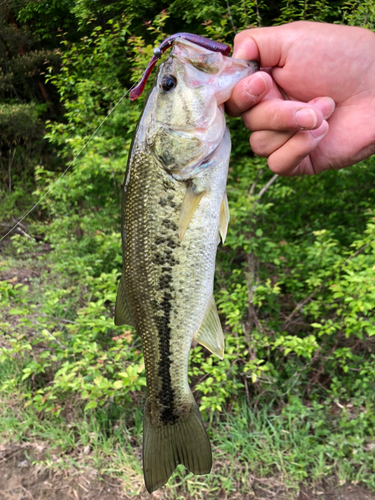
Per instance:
{"type": "Point", "coordinates": [91, 405]}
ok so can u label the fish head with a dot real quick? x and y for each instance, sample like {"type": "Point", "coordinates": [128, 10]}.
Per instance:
{"type": "Point", "coordinates": [188, 98]}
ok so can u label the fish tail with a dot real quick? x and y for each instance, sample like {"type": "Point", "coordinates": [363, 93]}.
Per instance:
{"type": "Point", "coordinates": [164, 447]}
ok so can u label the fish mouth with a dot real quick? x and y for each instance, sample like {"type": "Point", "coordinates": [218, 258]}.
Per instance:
{"type": "Point", "coordinates": [254, 65]}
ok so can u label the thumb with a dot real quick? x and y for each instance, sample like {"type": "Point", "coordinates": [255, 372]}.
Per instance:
{"type": "Point", "coordinates": [266, 45]}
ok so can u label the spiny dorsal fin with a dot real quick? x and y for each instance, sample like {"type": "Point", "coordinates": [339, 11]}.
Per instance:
{"type": "Point", "coordinates": [188, 207]}
{"type": "Point", "coordinates": [224, 217]}
{"type": "Point", "coordinates": [122, 311]}
{"type": "Point", "coordinates": [210, 334]}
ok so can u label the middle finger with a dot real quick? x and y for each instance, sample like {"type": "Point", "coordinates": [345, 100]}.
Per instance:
{"type": "Point", "coordinates": [265, 142]}
{"type": "Point", "coordinates": [280, 115]}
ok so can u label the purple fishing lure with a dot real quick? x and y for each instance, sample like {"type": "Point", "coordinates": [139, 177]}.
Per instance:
{"type": "Point", "coordinates": [197, 39]}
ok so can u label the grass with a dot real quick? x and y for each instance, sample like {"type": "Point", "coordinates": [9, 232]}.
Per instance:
{"type": "Point", "coordinates": [262, 448]}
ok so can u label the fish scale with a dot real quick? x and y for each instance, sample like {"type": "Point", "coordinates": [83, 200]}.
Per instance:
{"type": "Point", "coordinates": [174, 206]}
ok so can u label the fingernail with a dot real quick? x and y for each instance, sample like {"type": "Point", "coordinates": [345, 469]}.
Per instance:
{"type": "Point", "coordinates": [306, 118]}
{"type": "Point", "coordinates": [326, 106]}
{"type": "Point", "coordinates": [320, 131]}
{"type": "Point", "coordinates": [256, 86]}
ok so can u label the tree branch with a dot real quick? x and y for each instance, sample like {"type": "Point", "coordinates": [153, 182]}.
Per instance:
{"type": "Point", "coordinates": [231, 18]}
{"type": "Point", "coordinates": [264, 188]}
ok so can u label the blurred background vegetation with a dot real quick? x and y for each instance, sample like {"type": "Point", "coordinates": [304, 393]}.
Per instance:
{"type": "Point", "coordinates": [295, 282]}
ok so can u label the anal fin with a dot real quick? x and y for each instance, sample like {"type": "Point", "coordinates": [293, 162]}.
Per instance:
{"type": "Point", "coordinates": [224, 217]}
{"type": "Point", "coordinates": [210, 333]}
{"type": "Point", "coordinates": [122, 311]}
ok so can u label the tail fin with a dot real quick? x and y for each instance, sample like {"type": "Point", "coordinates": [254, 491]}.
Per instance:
{"type": "Point", "coordinates": [179, 443]}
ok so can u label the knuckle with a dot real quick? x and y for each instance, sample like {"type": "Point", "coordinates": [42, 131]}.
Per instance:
{"type": "Point", "coordinates": [259, 145]}
{"type": "Point", "coordinates": [280, 119]}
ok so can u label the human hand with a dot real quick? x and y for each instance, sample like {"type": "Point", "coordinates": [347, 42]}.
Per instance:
{"type": "Point", "coordinates": [307, 60]}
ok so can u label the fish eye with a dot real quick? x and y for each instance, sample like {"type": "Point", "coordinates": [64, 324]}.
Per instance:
{"type": "Point", "coordinates": [168, 82]}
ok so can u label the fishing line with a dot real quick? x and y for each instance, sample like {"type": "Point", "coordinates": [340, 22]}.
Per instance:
{"type": "Point", "coordinates": [68, 167]}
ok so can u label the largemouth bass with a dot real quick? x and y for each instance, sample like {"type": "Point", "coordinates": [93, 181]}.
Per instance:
{"type": "Point", "coordinates": [174, 207]}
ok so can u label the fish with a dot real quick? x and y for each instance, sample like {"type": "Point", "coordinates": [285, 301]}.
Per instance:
{"type": "Point", "coordinates": [174, 210]}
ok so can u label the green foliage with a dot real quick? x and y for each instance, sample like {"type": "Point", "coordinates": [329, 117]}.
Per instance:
{"type": "Point", "coordinates": [310, 10]}
{"type": "Point", "coordinates": [360, 13]}
{"type": "Point", "coordinates": [308, 294]}
{"type": "Point", "coordinates": [91, 84]}
{"type": "Point", "coordinates": [44, 18]}
{"type": "Point", "coordinates": [105, 364]}
{"type": "Point", "coordinates": [27, 66]}
{"type": "Point", "coordinates": [19, 123]}
{"type": "Point", "coordinates": [21, 143]}
{"type": "Point", "coordinates": [24, 100]}
{"type": "Point", "coordinates": [294, 282]}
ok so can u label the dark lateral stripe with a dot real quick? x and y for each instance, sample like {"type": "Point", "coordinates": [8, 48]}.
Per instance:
{"type": "Point", "coordinates": [166, 396]}
{"type": "Point", "coordinates": [166, 260]}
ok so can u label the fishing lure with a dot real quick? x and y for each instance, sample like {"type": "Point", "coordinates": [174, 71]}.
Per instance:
{"type": "Point", "coordinates": [158, 51]}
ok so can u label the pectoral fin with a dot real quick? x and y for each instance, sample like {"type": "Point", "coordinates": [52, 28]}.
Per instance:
{"type": "Point", "coordinates": [122, 311]}
{"type": "Point", "coordinates": [224, 217]}
{"type": "Point", "coordinates": [210, 334]}
{"type": "Point", "coordinates": [188, 207]}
